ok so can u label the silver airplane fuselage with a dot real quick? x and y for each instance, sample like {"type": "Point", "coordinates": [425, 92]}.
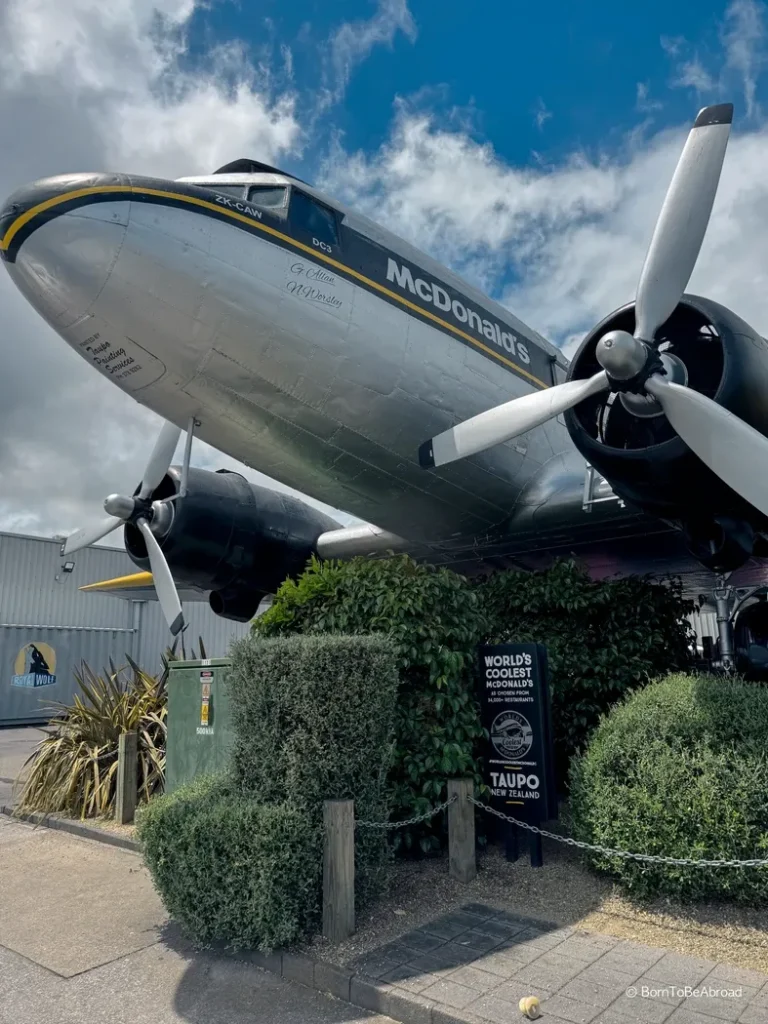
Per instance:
{"type": "Point", "coordinates": [310, 344]}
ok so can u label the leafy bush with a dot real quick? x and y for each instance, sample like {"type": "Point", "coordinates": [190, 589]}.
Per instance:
{"type": "Point", "coordinates": [680, 769]}
{"type": "Point", "coordinates": [604, 638]}
{"type": "Point", "coordinates": [74, 769]}
{"type": "Point", "coordinates": [435, 619]}
{"type": "Point", "coordinates": [232, 869]}
{"type": "Point", "coordinates": [313, 719]}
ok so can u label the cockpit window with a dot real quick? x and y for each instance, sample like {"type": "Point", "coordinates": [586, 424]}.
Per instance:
{"type": "Point", "coordinates": [271, 197]}
{"type": "Point", "coordinates": [313, 219]}
{"type": "Point", "coordinates": [228, 190]}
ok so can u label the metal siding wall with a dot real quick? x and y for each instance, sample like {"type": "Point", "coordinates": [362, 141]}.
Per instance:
{"type": "Point", "coordinates": [30, 595]}
{"type": "Point", "coordinates": [705, 624]}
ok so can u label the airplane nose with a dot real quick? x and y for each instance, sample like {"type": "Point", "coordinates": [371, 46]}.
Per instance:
{"type": "Point", "coordinates": [60, 238]}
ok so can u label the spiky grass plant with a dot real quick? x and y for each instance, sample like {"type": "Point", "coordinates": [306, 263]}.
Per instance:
{"type": "Point", "coordinates": [74, 769]}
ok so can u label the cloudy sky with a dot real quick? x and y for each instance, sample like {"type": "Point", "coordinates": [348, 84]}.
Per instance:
{"type": "Point", "coordinates": [528, 146]}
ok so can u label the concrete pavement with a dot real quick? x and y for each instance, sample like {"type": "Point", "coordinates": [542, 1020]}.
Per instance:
{"type": "Point", "coordinates": [16, 745]}
{"type": "Point", "coordinates": [84, 940]}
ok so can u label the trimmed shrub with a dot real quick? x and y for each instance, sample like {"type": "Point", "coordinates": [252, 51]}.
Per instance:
{"type": "Point", "coordinates": [435, 619]}
{"type": "Point", "coordinates": [313, 721]}
{"type": "Point", "coordinates": [230, 869]}
{"type": "Point", "coordinates": [680, 769]}
{"type": "Point", "coordinates": [604, 638]}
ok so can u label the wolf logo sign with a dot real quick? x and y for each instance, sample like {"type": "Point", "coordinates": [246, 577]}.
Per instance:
{"type": "Point", "coordinates": [35, 666]}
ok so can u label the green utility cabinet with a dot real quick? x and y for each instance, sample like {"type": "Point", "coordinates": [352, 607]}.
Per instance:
{"type": "Point", "coordinates": [200, 733]}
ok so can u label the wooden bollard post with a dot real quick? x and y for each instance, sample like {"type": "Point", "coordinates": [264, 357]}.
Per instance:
{"type": "Point", "coordinates": [339, 869]}
{"type": "Point", "coordinates": [462, 863]}
{"type": "Point", "coordinates": [127, 777]}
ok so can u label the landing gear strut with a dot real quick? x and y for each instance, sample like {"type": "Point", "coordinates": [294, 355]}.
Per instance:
{"type": "Point", "coordinates": [723, 595]}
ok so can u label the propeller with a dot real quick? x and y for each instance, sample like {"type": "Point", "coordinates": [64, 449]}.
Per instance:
{"type": "Point", "coordinates": [717, 436]}
{"type": "Point", "coordinates": [140, 511]}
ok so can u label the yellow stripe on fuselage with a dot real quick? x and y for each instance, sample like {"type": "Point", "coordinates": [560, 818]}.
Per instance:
{"type": "Point", "coordinates": [30, 214]}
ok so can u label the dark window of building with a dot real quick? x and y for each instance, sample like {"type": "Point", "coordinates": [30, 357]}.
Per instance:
{"type": "Point", "coordinates": [270, 197]}
{"type": "Point", "coordinates": [313, 219]}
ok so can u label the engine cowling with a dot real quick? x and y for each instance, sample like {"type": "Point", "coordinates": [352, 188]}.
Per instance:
{"type": "Point", "coordinates": [632, 444]}
{"type": "Point", "coordinates": [230, 537]}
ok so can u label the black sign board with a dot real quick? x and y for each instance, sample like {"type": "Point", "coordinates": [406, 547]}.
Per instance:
{"type": "Point", "coordinates": [518, 762]}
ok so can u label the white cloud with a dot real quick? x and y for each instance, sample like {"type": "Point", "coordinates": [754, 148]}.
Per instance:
{"type": "Point", "coordinates": [643, 103]}
{"type": "Point", "coordinates": [744, 39]}
{"type": "Point", "coordinates": [541, 114]}
{"type": "Point", "coordinates": [562, 246]}
{"type": "Point", "coordinates": [353, 41]}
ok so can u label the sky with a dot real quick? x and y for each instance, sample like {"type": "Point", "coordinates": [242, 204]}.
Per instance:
{"type": "Point", "coordinates": [527, 146]}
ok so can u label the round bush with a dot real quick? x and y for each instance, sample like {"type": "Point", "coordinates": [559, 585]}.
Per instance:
{"type": "Point", "coordinates": [230, 869]}
{"type": "Point", "coordinates": [680, 769]}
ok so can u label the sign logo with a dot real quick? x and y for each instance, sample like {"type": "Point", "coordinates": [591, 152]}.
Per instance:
{"type": "Point", "coordinates": [511, 735]}
{"type": "Point", "coordinates": [35, 666]}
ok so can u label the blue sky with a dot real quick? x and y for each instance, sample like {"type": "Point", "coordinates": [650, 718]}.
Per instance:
{"type": "Point", "coordinates": [536, 80]}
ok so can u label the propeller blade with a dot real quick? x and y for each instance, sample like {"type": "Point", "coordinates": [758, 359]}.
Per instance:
{"type": "Point", "coordinates": [732, 449]}
{"type": "Point", "coordinates": [90, 534]}
{"type": "Point", "coordinates": [160, 459]}
{"type": "Point", "coordinates": [683, 220]}
{"type": "Point", "coordinates": [507, 421]}
{"type": "Point", "coordinates": [163, 580]}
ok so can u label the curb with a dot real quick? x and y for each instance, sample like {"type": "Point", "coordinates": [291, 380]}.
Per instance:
{"type": "Point", "coordinates": [75, 828]}
{"type": "Point", "coordinates": [358, 990]}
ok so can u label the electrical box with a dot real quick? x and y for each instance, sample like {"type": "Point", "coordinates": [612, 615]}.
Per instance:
{"type": "Point", "coordinates": [200, 734]}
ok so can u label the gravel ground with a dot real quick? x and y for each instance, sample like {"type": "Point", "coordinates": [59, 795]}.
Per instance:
{"type": "Point", "coordinates": [563, 892]}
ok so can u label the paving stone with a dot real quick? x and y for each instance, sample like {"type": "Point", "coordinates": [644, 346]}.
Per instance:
{"type": "Point", "coordinates": [650, 1011]}
{"type": "Point", "coordinates": [608, 976]}
{"type": "Point", "coordinates": [477, 940]}
{"type": "Point", "coordinates": [761, 999]}
{"type": "Point", "coordinates": [570, 1009]}
{"type": "Point", "coordinates": [536, 939]}
{"type": "Point", "coordinates": [725, 974]}
{"type": "Point", "coordinates": [587, 991]}
{"type": "Point", "coordinates": [409, 978]}
{"type": "Point", "coordinates": [371, 966]}
{"type": "Point", "coordinates": [500, 962]}
{"type": "Point", "coordinates": [581, 949]}
{"type": "Point", "coordinates": [610, 1016]}
{"type": "Point", "coordinates": [453, 955]}
{"type": "Point", "coordinates": [491, 1008]}
{"type": "Point", "coordinates": [521, 952]}
{"type": "Point", "coordinates": [447, 927]}
{"type": "Point", "coordinates": [504, 929]}
{"type": "Point", "coordinates": [754, 1014]}
{"type": "Point", "coordinates": [451, 993]}
{"type": "Point", "coordinates": [429, 963]}
{"type": "Point", "coordinates": [550, 971]}
{"type": "Point", "coordinates": [421, 941]}
{"type": "Point", "coordinates": [507, 917]}
{"type": "Point", "coordinates": [661, 991]}
{"type": "Point", "coordinates": [482, 981]}
{"type": "Point", "coordinates": [725, 1007]}
{"type": "Point", "coordinates": [644, 956]}
{"type": "Point", "coordinates": [685, 1015]}
{"type": "Point", "coordinates": [514, 991]}
{"type": "Point", "coordinates": [395, 951]}
{"type": "Point", "coordinates": [680, 970]}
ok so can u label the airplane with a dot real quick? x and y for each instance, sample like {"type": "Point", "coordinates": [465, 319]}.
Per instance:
{"type": "Point", "coordinates": [259, 314]}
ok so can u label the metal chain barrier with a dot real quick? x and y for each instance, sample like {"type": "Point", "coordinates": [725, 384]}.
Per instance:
{"type": "Point", "coordinates": [408, 821]}
{"type": "Point", "coordinates": [647, 858]}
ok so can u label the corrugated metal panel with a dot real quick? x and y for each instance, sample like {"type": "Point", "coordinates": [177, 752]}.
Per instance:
{"type": "Point", "coordinates": [154, 638]}
{"type": "Point", "coordinates": [705, 624]}
{"type": "Point", "coordinates": [34, 590]}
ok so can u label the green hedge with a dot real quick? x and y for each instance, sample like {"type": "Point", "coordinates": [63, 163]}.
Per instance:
{"type": "Point", "coordinates": [680, 769]}
{"type": "Point", "coordinates": [313, 719]}
{"type": "Point", "coordinates": [604, 638]}
{"type": "Point", "coordinates": [230, 869]}
{"type": "Point", "coordinates": [435, 619]}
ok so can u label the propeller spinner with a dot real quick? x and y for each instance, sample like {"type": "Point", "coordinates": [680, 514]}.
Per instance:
{"type": "Point", "coordinates": [142, 512]}
{"type": "Point", "coordinates": [716, 435]}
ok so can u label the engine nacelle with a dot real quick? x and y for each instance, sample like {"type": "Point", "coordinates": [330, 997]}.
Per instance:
{"type": "Point", "coordinates": [632, 444]}
{"type": "Point", "coordinates": [230, 537]}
